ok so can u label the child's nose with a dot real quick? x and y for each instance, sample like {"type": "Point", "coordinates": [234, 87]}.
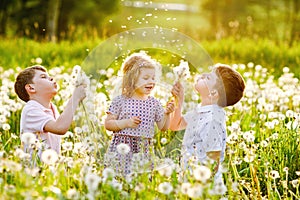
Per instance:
{"type": "Point", "coordinates": [51, 78]}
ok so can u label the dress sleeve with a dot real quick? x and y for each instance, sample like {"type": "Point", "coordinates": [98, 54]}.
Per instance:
{"type": "Point", "coordinates": [213, 136]}
{"type": "Point", "coordinates": [115, 106]}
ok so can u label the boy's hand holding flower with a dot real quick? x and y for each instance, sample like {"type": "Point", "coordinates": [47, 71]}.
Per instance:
{"type": "Point", "coordinates": [181, 72]}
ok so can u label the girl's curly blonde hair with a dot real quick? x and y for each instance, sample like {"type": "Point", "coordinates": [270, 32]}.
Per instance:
{"type": "Point", "coordinates": [131, 71]}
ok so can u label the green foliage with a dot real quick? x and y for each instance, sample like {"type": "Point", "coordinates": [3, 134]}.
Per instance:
{"type": "Point", "coordinates": [274, 56]}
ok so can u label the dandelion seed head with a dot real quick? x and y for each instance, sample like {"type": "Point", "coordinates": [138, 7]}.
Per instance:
{"type": "Point", "coordinates": [274, 174]}
{"type": "Point", "coordinates": [92, 181]}
{"type": "Point", "coordinates": [195, 191]}
{"type": "Point", "coordinates": [295, 183]}
{"type": "Point", "coordinates": [165, 188]}
{"type": "Point", "coordinates": [73, 194]}
{"type": "Point", "coordinates": [28, 138]}
{"type": "Point", "coordinates": [49, 157]}
{"type": "Point", "coordinates": [108, 173]}
{"type": "Point", "coordinates": [123, 148]}
{"type": "Point", "coordinates": [202, 173]}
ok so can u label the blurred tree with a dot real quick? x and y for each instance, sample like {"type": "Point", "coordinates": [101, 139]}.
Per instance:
{"type": "Point", "coordinates": [255, 18]}
{"type": "Point", "coordinates": [89, 13]}
{"type": "Point", "coordinates": [5, 6]}
{"type": "Point", "coordinates": [295, 30]}
{"type": "Point", "coordinates": [225, 16]}
{"type": "Point", "coordinates": [54, 19]}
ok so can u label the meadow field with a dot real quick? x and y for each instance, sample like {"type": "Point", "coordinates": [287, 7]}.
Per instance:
{"type": "Point", "coordinates": [262, 155]}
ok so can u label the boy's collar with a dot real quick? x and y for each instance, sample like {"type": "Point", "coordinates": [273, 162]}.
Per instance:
{"type": "Point", "coordinates": [207, 108]}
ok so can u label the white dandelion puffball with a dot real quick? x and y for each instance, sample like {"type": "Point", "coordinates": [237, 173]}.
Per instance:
{"type": "Point", "coordinates": [80, 78]}
{"type": "Point", "coordinates": [49, 157]}
{"type": "Point", "coordinates": [202, 173]}
{"type": "Point", "coordinates": [123, 148]}
{"type": "Point", "coordinates": [28, 138]}
{"type": "Point", "coordinates": [92, 181]}
{"type": "Point", "coordinates": [165, 188]}
{"type": "Point", "coordinates": [182, 71]}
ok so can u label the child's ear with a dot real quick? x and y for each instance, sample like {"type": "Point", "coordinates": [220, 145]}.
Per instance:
{"type": "Point", "coordinates": [214, 94]}
{"type": "Point", "coordinates": [29, 88]}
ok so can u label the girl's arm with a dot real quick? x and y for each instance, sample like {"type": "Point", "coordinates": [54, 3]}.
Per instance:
{"type": "Point", "coordinates": [113, 124]}
{"type": "Point", "coordinates": [177, 122]}
{"type": "Point", "coordinates": [164, 124]}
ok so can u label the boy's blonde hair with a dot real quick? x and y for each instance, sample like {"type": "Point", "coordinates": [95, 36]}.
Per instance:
{"type": "Point", "coordinates": [230, 85]}
{"type": "Point", "coordinates": [131, 71]}
{"type": "Point", "coordinates": [25, 77]}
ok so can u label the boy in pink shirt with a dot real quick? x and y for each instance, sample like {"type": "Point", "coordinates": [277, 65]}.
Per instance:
{"type": "Point", "coordinates": [39, 116]}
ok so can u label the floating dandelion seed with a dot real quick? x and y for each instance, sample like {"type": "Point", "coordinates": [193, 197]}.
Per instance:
{"type": "Point", "coordinates": [123, 148]}
{"type": "Point", "coordinates": [49, 157]}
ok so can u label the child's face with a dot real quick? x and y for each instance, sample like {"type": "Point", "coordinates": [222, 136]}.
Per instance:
{"type": "Point", "coordinates": [206, 82]}
{"type": "Point", "coordinates": [42, 83]}
{"type": "Point", "coordinates": [146, 81]}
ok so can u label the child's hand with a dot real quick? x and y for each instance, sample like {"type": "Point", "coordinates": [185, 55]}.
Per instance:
{"type": "Point", "coordinates": [133, 122]}
{"type": "Point", "coordinates": [170, 107]}
{"type": "Point", "coordinates": [178, 91]}
{"type": "Point", "coordinates": [79, 92]}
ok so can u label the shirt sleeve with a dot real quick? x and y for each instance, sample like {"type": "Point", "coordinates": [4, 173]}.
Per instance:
{"type": "Point", "coordinates": [35, 120]}
{"type": "Point", "coordinates": [213, 136]}
{"type": "Point", "coordinates": [115, 106]}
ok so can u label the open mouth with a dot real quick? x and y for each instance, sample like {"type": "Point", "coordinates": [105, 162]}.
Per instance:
{"type": "Point", "coordinates": [149, 87]}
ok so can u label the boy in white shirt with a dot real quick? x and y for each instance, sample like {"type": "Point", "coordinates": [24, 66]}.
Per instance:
{"type": "Point", "coordinates": [205, 134]}
{"type": "Point", "coordinates": [40, 116]}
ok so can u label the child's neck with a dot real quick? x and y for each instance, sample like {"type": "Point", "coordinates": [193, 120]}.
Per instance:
{"type": "Point", "coordinates": [46, 102]}
{"type": "Point", "coordinates": [207, 101]}
{"type": "Point", "coordinates": [140, 97]}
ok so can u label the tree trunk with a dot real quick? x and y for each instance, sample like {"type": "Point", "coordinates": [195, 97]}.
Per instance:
{"type": "Point", "coordinates": [295, 30]}
{"type": "Point", "coordinates": [52, 19]}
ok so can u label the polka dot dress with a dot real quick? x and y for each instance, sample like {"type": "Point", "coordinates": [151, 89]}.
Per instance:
{"type": "Point", "coordinates": [139, 139]}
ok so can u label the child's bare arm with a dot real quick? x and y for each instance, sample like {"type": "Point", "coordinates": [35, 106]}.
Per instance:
{"type": "Point", "coordinates": [62, 124]}
{"type": "Point", "coordinates": [215, 155]}
{"type": "Point", "coordinates": [113, 124]}
{"type": "Point", "coordinates": [164, 124]}
{"type": "Point", "coordinates": [177, 122]}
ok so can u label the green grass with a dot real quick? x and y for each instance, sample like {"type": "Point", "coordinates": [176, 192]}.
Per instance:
{"type": "Point", "coordinates": [273, 56]}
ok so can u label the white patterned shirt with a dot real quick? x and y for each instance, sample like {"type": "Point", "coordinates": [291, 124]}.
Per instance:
{"type": "Point", "coordinates": [205, 132]}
